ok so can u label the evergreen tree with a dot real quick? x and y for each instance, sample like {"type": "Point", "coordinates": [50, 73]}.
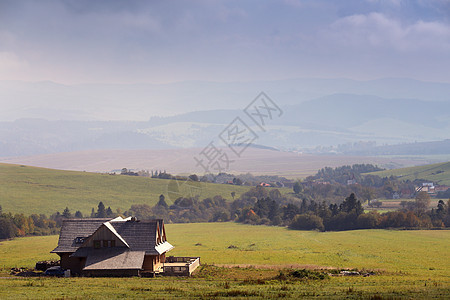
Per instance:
{"type": "Point", "coordinates": [351, 203]}
{"type": "Point", "coordinates": [109, 212]}
{"type": "Point", "coordinates": [78, 214]}
{"type": "Point", "coordinates": [66, 213]}
{"type": "Point", "coordinates": [162, 202]}
{"type": "Point", "coordinates": [101, 211]}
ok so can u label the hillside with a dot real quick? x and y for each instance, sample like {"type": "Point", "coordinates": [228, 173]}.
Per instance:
{"type": "Point", "coordinates": [438, 173]}
{"type": "Point", "coordinates": [28, 190]}
{"type": "Point", "coordinates": [423, 148]}
{"type": "Point", "coordinates": [181, 161]}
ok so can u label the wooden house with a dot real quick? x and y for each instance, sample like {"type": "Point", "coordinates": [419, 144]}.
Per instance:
{"type": "Point", "coordinates": [117, 247]}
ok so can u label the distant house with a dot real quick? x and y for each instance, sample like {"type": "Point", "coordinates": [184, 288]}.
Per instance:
{"type": "Point", "coordinates": [117, 247]}
{"type": "Point", "coordinates": [426, 187]}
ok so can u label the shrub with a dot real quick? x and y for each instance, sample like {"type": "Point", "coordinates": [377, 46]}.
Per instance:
{"type": "Point", "coordinates": [307, 222]}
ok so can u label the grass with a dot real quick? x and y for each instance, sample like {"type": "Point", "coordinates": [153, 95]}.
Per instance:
{"type": "Point", "coordinates": [261, 245]}
{"type": "Point", "coordinates": [412, 264]}
{"type": "Point", "coordinates": [30, 190]}
{"type": "Point", "coordinates": [25, 252]}
{"type": "Point", "coordinates": [438, 173]}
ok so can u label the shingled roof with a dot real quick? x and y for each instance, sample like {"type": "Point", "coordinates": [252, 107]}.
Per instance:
{"type": "Point", "coordinates": [114, 259]}
{"type": "Point", "coordinates": [136, 235]}
{"type": "Point", "coordinates": [134, 232]}
{"type": "Point", "coordinates": [74, 228]}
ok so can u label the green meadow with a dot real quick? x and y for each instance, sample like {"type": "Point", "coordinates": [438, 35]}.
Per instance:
{"type": "Point", "coordinates": [438, 173]}
{"type": "Point", "coordinates": [31, 190]}
{"type": "Point", "coordinates": [244, 261]}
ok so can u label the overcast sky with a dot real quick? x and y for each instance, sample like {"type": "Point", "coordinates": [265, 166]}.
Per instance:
{"type": "Point", "coordinates": [86, 41]}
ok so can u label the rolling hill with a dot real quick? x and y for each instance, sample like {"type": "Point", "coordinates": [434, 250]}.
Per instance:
{"type": "Point", "coordinates": [29, 190]}
{"type": "Point", "coordinates": [438, 173]}
{"type": "Point", "coordinates": [181, 161]}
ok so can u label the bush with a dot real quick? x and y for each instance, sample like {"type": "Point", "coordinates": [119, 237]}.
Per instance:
{"type": "Point", "coordinates": [308, 274]}
{"type": "Point", "coordinates": [307, 222]}
{"type": "Point", "coordinates": [367, 221]}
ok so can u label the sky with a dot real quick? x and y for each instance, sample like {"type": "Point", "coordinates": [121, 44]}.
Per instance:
{"type": "Point", "coordinates": [110, 41]}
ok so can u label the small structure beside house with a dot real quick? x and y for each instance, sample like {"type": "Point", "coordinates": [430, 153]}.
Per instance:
{"type": "Point", "coordinates": [115, 247]}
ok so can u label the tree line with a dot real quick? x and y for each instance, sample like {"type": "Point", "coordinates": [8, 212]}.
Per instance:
{"type": "Point", "coordinates": [20, 225]}
{"type": "Point", "coordinates": [17, 225]}
{"type": "Point", "coordinates": [258, 206]}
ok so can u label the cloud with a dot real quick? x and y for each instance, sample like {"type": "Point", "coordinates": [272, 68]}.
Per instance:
{"type": "Point", "coordinates": [10, 63]}
{"type": "Point", "coordinates": [157, 41]}
{"type": "Point", "coordinates": [379, 31]}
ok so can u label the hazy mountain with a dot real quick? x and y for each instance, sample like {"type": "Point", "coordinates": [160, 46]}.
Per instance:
{"type": "Point", "coordinates": [52, 101]}
{"type": "Point", "coordinates": [326, 121]}
{"type": "Point", "coordinates": [316, 112]}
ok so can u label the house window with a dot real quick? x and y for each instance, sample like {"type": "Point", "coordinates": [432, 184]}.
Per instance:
{"type": "Point", "coordinates": [104, 243]}
{"type": "Point", "coordinates": [79, 240]}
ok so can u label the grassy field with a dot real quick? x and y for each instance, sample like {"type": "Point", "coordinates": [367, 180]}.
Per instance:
{"type": "Point", "coordinates": [395, 204]}
{"type": "Point", "coordinates": [410, 264]}
{"type": "Point", "coordinates": [30, 190]}
{"type": "Point", "coordinates": [438, 173]}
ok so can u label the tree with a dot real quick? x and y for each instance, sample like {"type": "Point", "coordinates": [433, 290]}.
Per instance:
{"type": "Point", "coordinates": [237, 181]}
{"type": "Point", "coordinates": [7, 228]}
{"type": "Point", "coordinates": [297, 187]}
{"type": "Point", "coordinates": [101, 211]}
{"type": "Point", "coordinates": [233, 194]}
{"type": "Point", "coordinates": [367, 221]}
{"type": "Point", "coordinates": [275, 194]}
{"type": "Point", "coordinates": [422, 202]}
{"type": "Point", "coordinates": [109, 212]}
{"type": "Point", "coordinates": [307, 222]}
{"type": "Point", "coordinates": [162, 202]}
{"type": "Point", "coordinates": [66, 213]}
{"type": "Point", "coordinates": [193, 177]}
{"type": "Point", "coordinates": [78, 214]}
{"type": "Point", "coordinates": [290, 211]}
{"type": "Point", "coordinates": [351, 203]}
{"type": "Point", "coordinates": [441, 208]}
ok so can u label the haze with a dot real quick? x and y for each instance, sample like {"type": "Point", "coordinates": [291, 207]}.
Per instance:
{"type": "Point", "coordinates": [134, 60]}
